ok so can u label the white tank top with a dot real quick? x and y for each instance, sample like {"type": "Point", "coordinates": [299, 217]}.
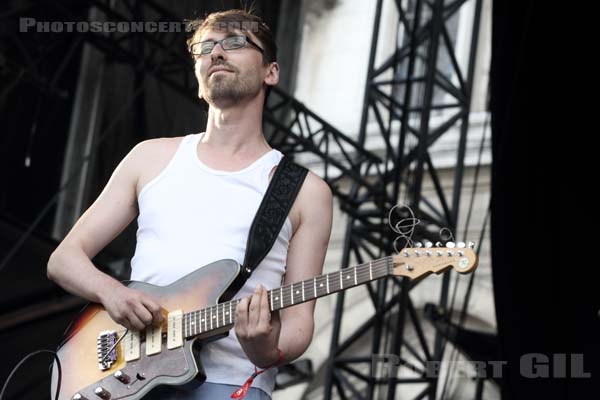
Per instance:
{"type": "Point", "coordinates": [190, 206]}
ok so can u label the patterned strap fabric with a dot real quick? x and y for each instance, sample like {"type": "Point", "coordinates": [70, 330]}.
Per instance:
{"type": "Point", "coordinates": [270, 217]}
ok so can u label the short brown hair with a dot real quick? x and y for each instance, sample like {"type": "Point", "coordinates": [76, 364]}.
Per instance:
{"type": "Point", "coordinates": [236, 19]}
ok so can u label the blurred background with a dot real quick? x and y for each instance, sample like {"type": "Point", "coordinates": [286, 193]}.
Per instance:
{"type": "Point", "coordinates": [417, 103]}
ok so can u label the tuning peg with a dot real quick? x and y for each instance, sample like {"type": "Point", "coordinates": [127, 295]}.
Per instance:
{"type": "Point", "coordinates": [418, 245]}
{"type": "Point", "coordinates": [450, 253]}
{"type": "Point", "coordinates": [417, 253]}
{"type": "Point", "coordinates": [428, 244]}
{"type": "Point", "coordinates": [439, 244]}
{"type": "Point", "coordinates": [471, 245]}
{"type": "Point", "coordinates": [438, 253]}
{"type": "Point", "coordinates": [428, 253]}
{"type": "Point", "coordinates": [461, 253]}
{"type": "Point", "coordinates": [450, 245]}
{"type": "Point", "coordinates": [460, 245]}
{"type": "Point", "coordinates": [406, 253]}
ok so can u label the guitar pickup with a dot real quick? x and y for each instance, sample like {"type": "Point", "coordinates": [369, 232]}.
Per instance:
{"type": "Point", "coordinates": [153, 340]}
{"type": "Point", "coordinates": [131, 346]}
{"type": "Point", "coordinates": [175, 329]}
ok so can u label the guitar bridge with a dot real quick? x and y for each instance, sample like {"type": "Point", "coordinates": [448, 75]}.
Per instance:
{"type": "Point", "coordinates": [107, 351]}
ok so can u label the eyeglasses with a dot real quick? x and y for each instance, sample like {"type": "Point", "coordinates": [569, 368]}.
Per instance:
{"type": "Point", "coordinates": [229, 43]}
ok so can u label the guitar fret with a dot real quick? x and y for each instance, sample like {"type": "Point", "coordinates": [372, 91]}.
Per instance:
{"type": "Point", "coordinates": [292, 292]}
{"type": "Point", "coordinates": [315, 287]}
{"type": "Point", "coordinates": [341, 280]}
{"type": "Point", "coordinates": [281, 296]}
{"type": "Point", "coordinates": [185, 324]}
{"type": "Point", "coordinates": [217, 314]}
{"type": "Point", "coordinates": [271, 293]}
{"type": "Point", "coordinates": [355, 281]}
{"type": "Point", "coordinates": [211, 320]}
{"type": "Point", "coordinates": [192, 323]}
{"type": "Point", "coordinates": [302, 283]}
{"type": "Point", "coordinates": [230, 313]}
{"type": "Point", "coordinates": [371, 270]}
{"type": "Point", "coordinates": [223, 308]}
{"type": "Point", "coordinates": [327, 280]}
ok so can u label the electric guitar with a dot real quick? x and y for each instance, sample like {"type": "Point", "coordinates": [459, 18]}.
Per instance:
{"type": "Point", "coordinates": [100, 361]}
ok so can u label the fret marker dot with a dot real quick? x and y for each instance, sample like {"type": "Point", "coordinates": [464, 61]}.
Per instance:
{"type": "Point", "coordinates": [226, 312]}
{"type": "Point", "coordinates": [348, 277]}
{"type": "Point", "coordinates": [202, 319]}
{"type": "Point", "coordinates": [297, 291]}
{"type": "Point", "coordinates": [276, 298]}
{"type": "Point", "coordinates": [214, 316]}
{"type": "Point", "coordinates": [321, 285]}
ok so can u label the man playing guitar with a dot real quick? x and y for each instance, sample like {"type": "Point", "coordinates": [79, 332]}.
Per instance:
{"type": "Point", "coordinates": [195, 197]}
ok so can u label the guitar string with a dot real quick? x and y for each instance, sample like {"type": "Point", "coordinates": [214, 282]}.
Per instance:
{"type": "Point", "coordinates": [377, 266]}
{"type": "Point", "coordinates": [196, 317]}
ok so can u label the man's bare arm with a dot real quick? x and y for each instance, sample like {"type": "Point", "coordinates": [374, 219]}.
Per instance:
{"type": "Point", "coordinates": [70, 264]}
{"type": "Point", "coordinates": [306, 255]}
{"type": "Point", "coordinates": [260, 337]}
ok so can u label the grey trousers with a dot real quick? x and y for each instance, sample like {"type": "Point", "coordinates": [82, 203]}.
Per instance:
{"type": "Point", "coordinates": [208, 391]}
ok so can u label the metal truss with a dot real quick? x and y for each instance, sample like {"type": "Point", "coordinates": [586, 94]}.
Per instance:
{"type": "Point", "coordinates": [421, 76]}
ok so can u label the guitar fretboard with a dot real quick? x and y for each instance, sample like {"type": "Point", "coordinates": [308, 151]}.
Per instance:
{"type": "Point", "coordinates": [223, 314]}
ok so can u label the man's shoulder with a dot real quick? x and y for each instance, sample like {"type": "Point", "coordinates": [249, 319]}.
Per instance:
{"type": "Point", "coordinates": [150, 153]}
{"type": "Point", "coordinates": [315, 192]}
{"type": "Point", "coordinates": [314, 183]}
{"type": "Point", "coordinates": [157, 146]}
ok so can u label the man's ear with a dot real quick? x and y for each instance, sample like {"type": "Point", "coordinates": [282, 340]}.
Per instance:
{"type": "Point", "coordinates": [272, 77]}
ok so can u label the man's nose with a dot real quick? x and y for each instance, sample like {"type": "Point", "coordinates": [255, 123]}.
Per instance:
{"type": "Point", "coordinates": [217, 52]}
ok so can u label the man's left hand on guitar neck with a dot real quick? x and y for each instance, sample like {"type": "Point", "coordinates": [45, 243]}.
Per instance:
{"type": "Point", "coordinates": [258, 329]}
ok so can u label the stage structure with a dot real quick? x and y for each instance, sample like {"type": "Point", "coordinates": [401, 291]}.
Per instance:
{"type": "Point", "coordinates": [401, 95]}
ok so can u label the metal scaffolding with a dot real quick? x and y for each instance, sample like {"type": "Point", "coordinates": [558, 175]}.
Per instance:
{"type": "Point", "coordinates": [402, 95]}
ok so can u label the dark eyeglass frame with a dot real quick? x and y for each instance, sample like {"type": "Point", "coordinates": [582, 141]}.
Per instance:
{"type": "Point", "coordinates": [223, 44]}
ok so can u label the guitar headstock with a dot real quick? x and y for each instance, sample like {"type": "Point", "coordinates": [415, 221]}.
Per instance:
{"type": "Point", "coordinates": [414, 262]}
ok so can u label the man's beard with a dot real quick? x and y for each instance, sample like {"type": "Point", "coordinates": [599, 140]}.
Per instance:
{"type": "Point", "coordinates": [227, 89]}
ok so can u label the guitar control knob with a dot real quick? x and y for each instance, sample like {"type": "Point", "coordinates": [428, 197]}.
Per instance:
{"type": "Point", "coordinates": [122, 377]}
{"type": "Point", "coordinates": [102, 393]}
{"type": "Point", "coordinates": [78, 396]}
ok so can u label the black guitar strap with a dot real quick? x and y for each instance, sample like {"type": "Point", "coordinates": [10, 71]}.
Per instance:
{"type": "Point", "coordinates": [269, 219]}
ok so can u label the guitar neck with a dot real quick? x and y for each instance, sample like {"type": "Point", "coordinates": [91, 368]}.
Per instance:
{"type": "Point", "coordinates": [213, 319]}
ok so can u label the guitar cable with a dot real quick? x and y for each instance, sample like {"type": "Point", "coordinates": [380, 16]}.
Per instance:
{"type": "Point", "coordinates": [27, 357]}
